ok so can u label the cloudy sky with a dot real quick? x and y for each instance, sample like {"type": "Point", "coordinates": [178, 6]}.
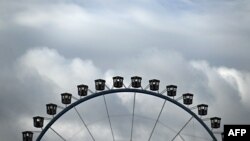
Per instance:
{"type": "Point", "coordinates": [48, 47]}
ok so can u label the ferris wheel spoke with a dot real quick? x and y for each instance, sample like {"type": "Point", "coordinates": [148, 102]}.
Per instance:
{"type": "Point", "coordinates": [79, 115]}
{"type": "Point", "coordinates": [181, 137]}
{"type": "Point", "coordinates": [109, 118]}
{"type": "Point", "coordinates": [182, 128]}
{"type": "Point", "coordinates": [157, 120]}
{"type": "Point", "coordinates": [164, 125]}
{"type": "Point", "coordinates": [133, 115]}
{"type": "Point", "coordinates": [58, 134]}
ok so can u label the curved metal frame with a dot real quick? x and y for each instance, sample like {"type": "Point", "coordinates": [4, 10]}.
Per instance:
{"type": "Point", "coordinates": [122, 91]}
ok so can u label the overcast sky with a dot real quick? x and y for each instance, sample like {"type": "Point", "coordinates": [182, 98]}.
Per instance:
{"type": "Point", "coordinates": [48, 47]}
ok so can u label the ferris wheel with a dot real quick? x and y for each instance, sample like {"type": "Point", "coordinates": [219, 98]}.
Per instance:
{"type": "Point", "coordinates": [130, 125]}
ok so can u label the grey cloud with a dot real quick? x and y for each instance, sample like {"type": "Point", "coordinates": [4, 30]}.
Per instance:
{"type": "Point", "coordinates": [154, 39]}
{"type": "Point", "coordinates": [207, 29]}
{"type": "Point", "coordinates": [207, 85]}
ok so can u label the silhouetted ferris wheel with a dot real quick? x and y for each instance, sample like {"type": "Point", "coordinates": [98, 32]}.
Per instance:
{"type": "Point", "coordinates": [131, 122]}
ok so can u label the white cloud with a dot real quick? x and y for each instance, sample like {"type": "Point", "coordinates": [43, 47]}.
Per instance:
{"type": "Point", "coordinates": [64, 19]}
{"type": "Point", "coordinates": [226, 81]}
{"type": "Point", "coordinates": [66, 73]}
{"type": "Point", "coordinates": [51, 67]}
{"type": "Point", "coordinates": [216, 86]}
{"type": "Point", "coordinates": [198, 31]}
{"type": "Point", "coordinates": [239, 81]}
{"type": "Point", "coordinates": [72, 16]}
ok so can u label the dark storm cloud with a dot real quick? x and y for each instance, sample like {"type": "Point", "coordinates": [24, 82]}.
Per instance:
{"type": "Point", "coordinates": [203, 42]}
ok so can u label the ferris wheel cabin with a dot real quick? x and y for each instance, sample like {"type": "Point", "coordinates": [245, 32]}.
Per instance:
{"type": "Point", "coordinates": [215, 122]}
{"type": "Point", "coordinates": [100, 84]}
{"type": "Point", "coordinates": [82, 90]}
{"type": "Point", "coordinates": [51, 109]}
{"type": "Point", "coordinates": [38, 121]}
{"type": "Point", "coordinates": [154, 84]}
{"type": "Point", "coordinates": [202, 109]}
{"type": "Point", "coordinates": [66, 98]}
{"type": "Point", "coordinates": [187, 98]}
{"type": "Point", "coordinates": [117, 81]}
{"type": "Point", "coordinates": [136, 81]}
{"type": "Point", "coordinates": [27, 136]}
{"type": "Point", "coordinates": [171, 90]}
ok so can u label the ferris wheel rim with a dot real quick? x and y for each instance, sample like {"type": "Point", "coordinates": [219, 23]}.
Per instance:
{"type": "Point", "coordinates": [119, 91]}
